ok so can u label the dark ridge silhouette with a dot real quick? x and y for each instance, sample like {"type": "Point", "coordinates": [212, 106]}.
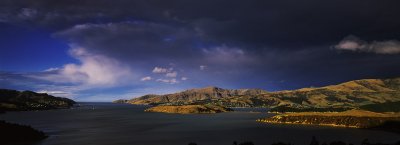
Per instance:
{"type": "Point", "coordinates": [16, 134]}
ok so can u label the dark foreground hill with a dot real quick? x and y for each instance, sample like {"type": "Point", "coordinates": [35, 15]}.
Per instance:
{"type": "Point", "coordinates": [12, 100]}
{"type": "Point", "coordinates": [19, 134]}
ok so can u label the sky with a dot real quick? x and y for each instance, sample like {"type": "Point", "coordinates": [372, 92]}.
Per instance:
{"type": "Point", "coordinates": [105, 50]}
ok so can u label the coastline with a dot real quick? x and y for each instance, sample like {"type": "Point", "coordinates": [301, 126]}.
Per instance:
{"type": "Point", "coordinates": [347, 119]}
{"type": "Point", "coordinates": [189, 109]}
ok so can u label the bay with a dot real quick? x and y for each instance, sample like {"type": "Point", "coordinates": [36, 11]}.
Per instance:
{"type": "Point", "coordinates": [123, 124]}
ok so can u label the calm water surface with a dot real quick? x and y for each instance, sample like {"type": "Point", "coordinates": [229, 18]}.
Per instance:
{"type": "Point", "coordinates": [121, 124]}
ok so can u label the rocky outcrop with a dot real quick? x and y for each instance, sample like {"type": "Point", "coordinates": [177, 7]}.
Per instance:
{"type": "Point", "coordinates": [189, 109]}
{"type": "Point", "coordinates": [12, 100]}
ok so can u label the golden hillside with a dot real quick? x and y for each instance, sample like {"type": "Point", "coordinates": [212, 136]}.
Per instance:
{"type": "Point", "coordinates": [350, 94]}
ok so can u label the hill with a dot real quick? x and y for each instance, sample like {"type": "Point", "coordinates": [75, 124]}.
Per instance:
{"type": "Point", "coordinates": [195, 96]}
{"type": "Point", "coordinates": [352, 94]}
{"type": "Point", "coordinates": [12, 100]}
{"type": "Point", "coordinates": [347, 95]}
{"type": "Point", "coordinates": [358, 91]}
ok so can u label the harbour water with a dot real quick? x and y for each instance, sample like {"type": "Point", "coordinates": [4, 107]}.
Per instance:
{"type": "Point", "coordinates": [122, 124]}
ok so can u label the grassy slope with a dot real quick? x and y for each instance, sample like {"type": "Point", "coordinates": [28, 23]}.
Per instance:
{"type": "Point", "coordinates": [350, 94]}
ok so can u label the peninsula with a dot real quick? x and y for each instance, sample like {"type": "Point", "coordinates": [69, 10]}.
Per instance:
{"type": "Point", "coordinates": [351, 118]}
{"type": "Point", "coordinates": [189, 109]}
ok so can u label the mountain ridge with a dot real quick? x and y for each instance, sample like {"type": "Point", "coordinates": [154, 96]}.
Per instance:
{"type": "Point", "coordinates": [349, 94]}
{"type": "Point", "coordinates": [196, 94]}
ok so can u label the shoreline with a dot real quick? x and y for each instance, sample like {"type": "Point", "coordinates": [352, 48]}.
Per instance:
{"type": "Point", "coordinates": [349, 119]}
{"type": "Point", "coordinates": [309, 124]}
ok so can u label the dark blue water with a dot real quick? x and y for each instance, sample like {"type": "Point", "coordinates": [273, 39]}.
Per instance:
{"type": "Point", "coordinates": [120, 124]}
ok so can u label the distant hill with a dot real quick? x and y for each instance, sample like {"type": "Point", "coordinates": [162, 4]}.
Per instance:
{"type": "Point", "coordinates": [194, 96]}
{"type": "Point", "coordinates": [352, 94]}
{"type": "Point", "coordinates": [12, 100]}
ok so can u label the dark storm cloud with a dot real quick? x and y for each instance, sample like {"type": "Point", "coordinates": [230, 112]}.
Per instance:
{"type": "Point", "coordinates": [143, 43]}
{"type": "Point", "coordinates": [134, 40]}
{"type": "Point", "coordinates": [263, 23]}
{"type": "Point", "coordinates": [237, 41]}
{"type": "Point", "coordinates": [147, 45]}
{"type": "Point", "coordinates": [278, 24]}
